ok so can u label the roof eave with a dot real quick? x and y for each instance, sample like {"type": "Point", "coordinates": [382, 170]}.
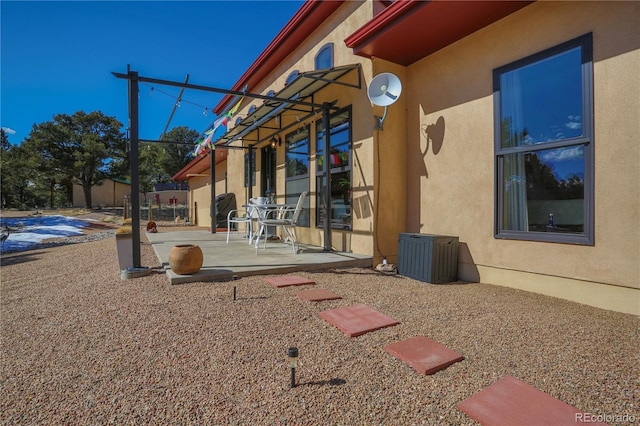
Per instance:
{"type": "Point", "coordinates": [387, 17]}
{"type": "Point", "coordinates": [410, 30]}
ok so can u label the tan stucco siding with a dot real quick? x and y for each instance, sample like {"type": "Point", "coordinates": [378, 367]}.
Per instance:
{"type": "Point", "coordinates": [235, 179]}
{"type": "Point", "coordinates": [451, 189]}
{"type": "Point", "coordinates": [109, 194]}
{"type": "Point", "coordinates": [200, 195]}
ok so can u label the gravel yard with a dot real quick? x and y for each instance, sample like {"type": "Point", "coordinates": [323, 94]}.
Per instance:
{"type": "Point", "coordinates": [80, 346]}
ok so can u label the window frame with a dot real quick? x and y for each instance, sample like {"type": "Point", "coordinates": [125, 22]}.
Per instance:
{"type": "Point", "coordinates": [305, 219]}
{"type": "Point", "coordinates": [586, 140]}
{"type": "Point", "coordinates": [320, 175]}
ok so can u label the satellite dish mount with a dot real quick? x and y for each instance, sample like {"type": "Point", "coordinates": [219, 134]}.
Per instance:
{"type": "Point", "coordinates": [384, 89]}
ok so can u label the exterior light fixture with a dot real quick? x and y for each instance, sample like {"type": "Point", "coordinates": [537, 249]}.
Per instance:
{"type": "Point", "coordinates": [292, 353]}
{"type": "Point", "coordinates": [275, 141]}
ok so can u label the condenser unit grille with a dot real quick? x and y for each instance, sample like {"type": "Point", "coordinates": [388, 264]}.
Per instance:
{"type": "Point", "coordinates": [428, 258]}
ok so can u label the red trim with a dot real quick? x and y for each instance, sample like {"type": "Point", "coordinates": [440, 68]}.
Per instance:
{"type": "Point", "coordinates": [311, 14]}
{"type": "Point", "coordinates": [410, 30]}
{"type": "Point", "coordinates": [373, 28]}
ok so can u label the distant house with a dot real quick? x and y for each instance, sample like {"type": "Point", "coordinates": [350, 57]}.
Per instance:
{"type": "Point", "coordinates": [111, 193]}
{"type": "Point", "coordinates": [516, 130]}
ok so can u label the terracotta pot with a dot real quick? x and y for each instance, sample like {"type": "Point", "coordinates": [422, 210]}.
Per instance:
{"type": "Point", "coordinates": [185, 259]}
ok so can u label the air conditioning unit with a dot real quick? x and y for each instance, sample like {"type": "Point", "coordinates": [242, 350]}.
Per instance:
{"type": "Point", "coordinates": [429, 258]}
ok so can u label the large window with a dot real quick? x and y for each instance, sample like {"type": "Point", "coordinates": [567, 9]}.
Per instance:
{"type": "Point", "coordinates": [544, 145]}
{"type": "Point", "coordinates": [340, 168]}
{"type": "Point", "coordinates": [297, 170]}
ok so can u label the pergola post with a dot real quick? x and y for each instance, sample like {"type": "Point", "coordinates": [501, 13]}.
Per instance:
{"type": "Point", "coordinates": [133, 157]}
{"type": "Point", "coordinates": [326, 110]}
{"type": "Point", "coordinates": [212, 159]}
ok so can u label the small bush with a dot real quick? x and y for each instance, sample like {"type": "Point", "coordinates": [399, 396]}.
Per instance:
{"type": "Point", "coordinates": [123, 230]}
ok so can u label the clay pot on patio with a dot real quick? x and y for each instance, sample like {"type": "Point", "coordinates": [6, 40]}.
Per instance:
{"type": "Point", "coordinates": [185, 259]}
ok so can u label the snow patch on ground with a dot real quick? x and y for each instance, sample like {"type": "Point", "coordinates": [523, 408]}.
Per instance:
{"type": "Point", "coordinates": [25, 232]}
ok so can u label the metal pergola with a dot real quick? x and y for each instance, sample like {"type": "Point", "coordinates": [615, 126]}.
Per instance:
{"type": "Point", "coordinates": [292, 96]}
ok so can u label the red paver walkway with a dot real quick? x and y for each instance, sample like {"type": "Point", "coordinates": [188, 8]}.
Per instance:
{"type": "Point", "coordinates": [288, 280]}
{"type": "Point", "coordinates": [317, 295]}
{"type": "Point", "coordinates": [424, 355]}
{"type": "Point", "coordinates": [510, 401]}
{"type": "Point", "coordinates": [357, 319]}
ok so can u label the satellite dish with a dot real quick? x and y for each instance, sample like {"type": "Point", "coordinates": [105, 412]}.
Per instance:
{"type": "Point", "coordinates": [384, 89]}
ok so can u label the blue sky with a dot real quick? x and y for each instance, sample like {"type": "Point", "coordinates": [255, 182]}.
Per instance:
{"type": "Point", "coordinates": [57, 57]}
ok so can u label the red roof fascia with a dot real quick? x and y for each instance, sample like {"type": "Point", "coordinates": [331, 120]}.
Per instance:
{"type": "Point", "coordinates": [410, 30]}
{"type": "Point", "coordinates": [392, 13]}
{"type": "Point", "coordinates": [311, 14]}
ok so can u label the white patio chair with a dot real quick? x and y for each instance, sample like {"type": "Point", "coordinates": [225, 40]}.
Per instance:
{"type": "Point", "coordinates": [246, 216]}
{"type": "Point", "coordinates": [286, 218]}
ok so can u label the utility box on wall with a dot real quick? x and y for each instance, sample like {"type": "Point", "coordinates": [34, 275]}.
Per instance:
{"type": "Point", "coordinates": [428, 258]}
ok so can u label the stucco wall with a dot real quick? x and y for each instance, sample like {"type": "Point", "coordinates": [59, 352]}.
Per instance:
{"type": "Point", "coordinates": [450, 189]}
{"type": "Point", "coordinates": [200, 195]}
{"type": "Point", "coordinates": [109, 194]}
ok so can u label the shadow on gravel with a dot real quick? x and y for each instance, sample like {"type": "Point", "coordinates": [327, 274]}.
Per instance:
{"type": "Point", "coordinates": [396, 276]}
{"type": "Point", "coordinates": [23, 257]}
{"type": "Point", "coordinates": [365, 272]}
{"type": "Point", "coordinates": [332, 382]}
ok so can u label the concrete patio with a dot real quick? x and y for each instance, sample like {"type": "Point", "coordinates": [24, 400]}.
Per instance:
{"type": "Point", "coordinates": [223, 262]}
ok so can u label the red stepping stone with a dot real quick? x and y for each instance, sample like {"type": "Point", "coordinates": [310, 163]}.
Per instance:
{"type": "Point", "coordinates": [313, 295]}
{"type": "Point", "coordinates": [357, 319]}
{"type": "Point", "coordinates": [424, 355]}
{"type": "Point", "coordinates": [288, 280]}
{"type": "Point", "coordinates": [510, 401]}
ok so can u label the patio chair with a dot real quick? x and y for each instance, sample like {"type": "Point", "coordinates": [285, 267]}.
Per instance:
{"type": "Point", "coordinates": [246, 216]}
{"type": "Point", "coordinates": [286, 218]}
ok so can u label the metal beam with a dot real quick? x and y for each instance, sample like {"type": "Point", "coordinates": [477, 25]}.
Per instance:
{"type": "Point", "coordinates": [173, 111]}
{"type": "Point", "coordinates": [216, 90]}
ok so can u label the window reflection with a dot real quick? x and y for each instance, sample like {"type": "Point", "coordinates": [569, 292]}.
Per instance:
{"type": "Point", "coordinates": [542, 102]}
{"type": "Point", "coordinates": [340, 168]}
{"type": "Point", "coordinates": [324, 58]}
{"type": "Point", "coordinates": [340, 200]}
{"type": "Point", "coordinates": [297, 153]}
{"type": "Point", "coordinates": [297, 170]}
{"type": "Point", "coordinates": [544, 191]}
